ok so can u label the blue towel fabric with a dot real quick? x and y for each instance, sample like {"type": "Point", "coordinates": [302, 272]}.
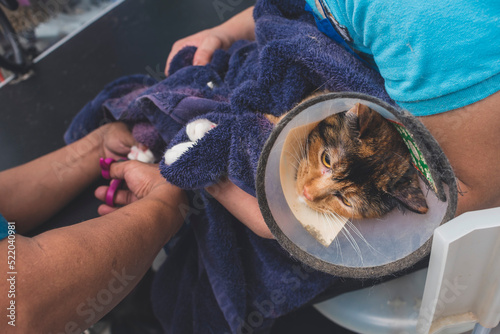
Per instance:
{"type": "Point", "coordinates": [221, 277]}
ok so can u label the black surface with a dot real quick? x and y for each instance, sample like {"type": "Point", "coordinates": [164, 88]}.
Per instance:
{"type": "Point", "coordinates": [135, 37]}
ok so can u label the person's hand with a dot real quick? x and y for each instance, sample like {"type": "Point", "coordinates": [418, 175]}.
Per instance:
{"type": "Point", "coordinates": [240, 26]}
{"type": "Point", "coordinates": [142, 179]}
{"type": "Point", "coordinates": [116, 140]}
{"type": "Point", "coordinates": [207, 41]}
{"type": "Point", "coordinates": [241, 205]}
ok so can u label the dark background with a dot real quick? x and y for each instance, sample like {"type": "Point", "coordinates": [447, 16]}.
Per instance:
{"type": "Point", "coordinates": [134, 37]}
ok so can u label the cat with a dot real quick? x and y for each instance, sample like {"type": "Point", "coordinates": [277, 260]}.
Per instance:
{"type": "Point", "coordinates": [356, 165]}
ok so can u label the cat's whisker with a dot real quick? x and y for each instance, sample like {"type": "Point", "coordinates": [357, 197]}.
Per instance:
{"type": "Point", "coordinates": [306, 152]}
{"type": "Point", "coordinates": [353, 243]}
{"type": "Point", "coordinates": [301, 146]}
{"type": "Point", "coordinates": [332, 222]}
{"type": "Point", "coordinates": [349, 224]}
{"type": "Point", "coordinates": [299, 151]}
{"type": "Point", "coordinates": [350, 238]}
{"type": "Point", "coordinates": [356, 231]}
{"type": "Point", "coordinates": [317, 89]}
{"type": "Point", "coordinates": [340, 222]}
{"type": "Point", "coordinates": [294, 156]}
{"type": "Point", "coordinates": [337, 243]}
{"type": "Point", "coordinates": [331, 109]}
{"type": "Point", "coordinates": [296, 152]}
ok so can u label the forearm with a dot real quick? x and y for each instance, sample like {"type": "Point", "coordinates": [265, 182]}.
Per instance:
{"type": "Point", "coordinates": [33, 192]}
{"type": "Point", "coordinates": [81, 272]}
{"type": "Point", "coordinates": [241, 205]}
{"type": "Point", "coordinates": [469, 139]}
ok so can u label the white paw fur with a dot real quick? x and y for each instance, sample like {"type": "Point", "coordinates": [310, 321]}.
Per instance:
{"type": "Point", "coordinates": [195, 131]}
{"type": "Point", "coordinates": [140, 155]}
{"type": "Point", "coordinates": [176, 151]}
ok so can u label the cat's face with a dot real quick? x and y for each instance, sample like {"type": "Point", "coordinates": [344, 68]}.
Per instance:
{"type": "Point", "coordinates": [356, 165]}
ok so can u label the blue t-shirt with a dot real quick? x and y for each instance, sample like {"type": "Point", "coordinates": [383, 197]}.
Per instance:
{"type": "Point", "coordinates": [435, 55]}
{"type": "Point", "coordinates": [4, 228]}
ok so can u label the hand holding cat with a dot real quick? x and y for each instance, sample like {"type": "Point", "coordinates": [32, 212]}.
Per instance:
{"type": "Point", "coordinates": [241, 26]}
{"type": "Point", "coordinates": [116, 140]}
{"type": "Point", "coordinates": [207, 42]}
{"type": "Point", "coordinates": [142, 179]}
{"type": "Point", "coordinates": [241, 205]}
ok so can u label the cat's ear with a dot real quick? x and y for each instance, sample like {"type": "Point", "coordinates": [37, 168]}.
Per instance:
{"type": "Point", "coordinates": [411, 196]}
{"type": "Point", "coordinates": [366, 119]}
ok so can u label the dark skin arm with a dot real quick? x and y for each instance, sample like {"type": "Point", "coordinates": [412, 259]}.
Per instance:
{"type": "Point", "coordinates": [469, 138]}
{"type": "Point", "coordinates": [47, 184]}
{"type": "Point", "coordinates": [82, 271]}
{"type": "Point", "coordinates": [65, 270]}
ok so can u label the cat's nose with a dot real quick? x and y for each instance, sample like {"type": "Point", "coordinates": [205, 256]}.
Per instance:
{"type": "Point", "coordinates": [306, 194]}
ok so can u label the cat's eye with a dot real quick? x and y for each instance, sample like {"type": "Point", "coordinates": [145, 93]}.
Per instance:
{"type": "Point", "coordinates": [325, 159]}
{"type": "Point", "coordinates": [345, 200]}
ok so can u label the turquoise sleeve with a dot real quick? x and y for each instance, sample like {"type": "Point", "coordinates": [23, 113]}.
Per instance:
{"type": "Point", "coordinates": [434, 55]}
{"type": "Point", "coordinates": [4, 228]}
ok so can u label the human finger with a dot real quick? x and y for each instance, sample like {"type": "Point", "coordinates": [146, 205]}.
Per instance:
{"type": "Point", "coordinates": [122, 197]}
{"type": "Point", "coordinates": [190, 40]}
{"type": "Point", "coordinates": [117, 170]}
{"type": "Point", "coordinates": [205, 51]}
{"type": "Point", "coordinates": [104, 209]}
{"type": "Point", "coordinates": [100, 193]}
{"type": "Point", "coordinates": [171, 55]}
{"type": "Point", "coordinates": [118, 140]}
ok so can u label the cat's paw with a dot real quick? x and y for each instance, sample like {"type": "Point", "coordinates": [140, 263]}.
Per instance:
{"type": "Point", "coordinates": [195, 130]}
{"type": "Point", "coordinates": [174, 153]}
{"type": "Point", "coordinates": [143, 156]}
{"type": "Point", "coordinates": [198, 128]}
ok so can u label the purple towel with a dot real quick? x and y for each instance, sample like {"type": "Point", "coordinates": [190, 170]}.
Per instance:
{"type": "Point", "coordinates": [221, 277]}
